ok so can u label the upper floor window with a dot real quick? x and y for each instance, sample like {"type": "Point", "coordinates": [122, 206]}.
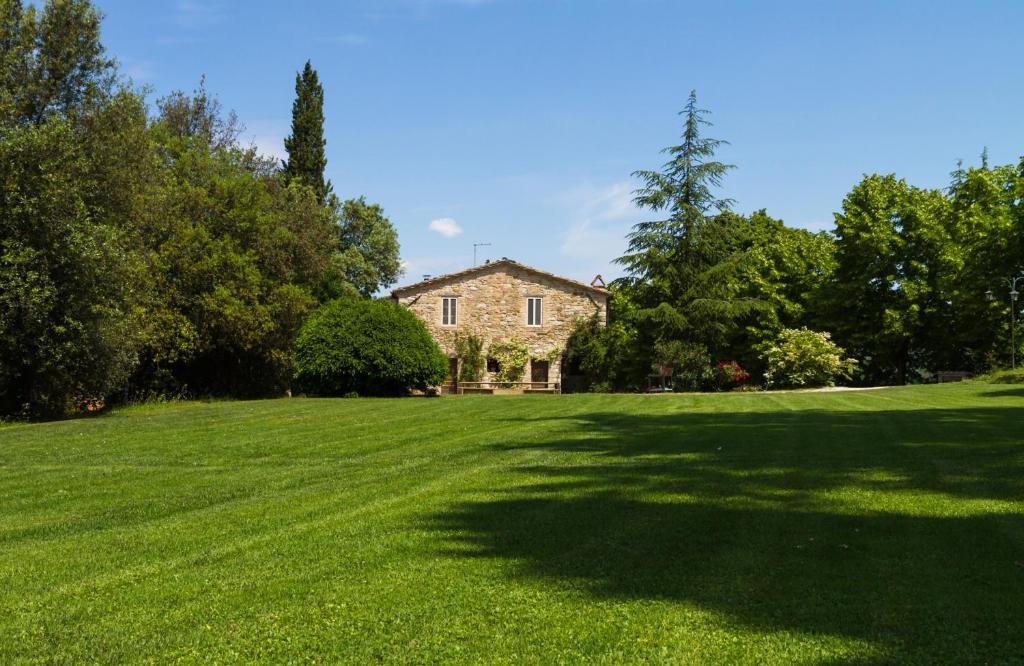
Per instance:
{"type": "Point", "coordinates": [449, 311]}
{"type": "Point", "coordinates": [534, 311]}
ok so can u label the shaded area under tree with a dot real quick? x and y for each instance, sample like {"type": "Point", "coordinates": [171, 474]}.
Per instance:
{"type": "Point", "coordinates": [902, 528]}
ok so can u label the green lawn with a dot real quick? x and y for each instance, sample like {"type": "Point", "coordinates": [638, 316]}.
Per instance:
{"type": "Point", "coordinates": [859, 527]}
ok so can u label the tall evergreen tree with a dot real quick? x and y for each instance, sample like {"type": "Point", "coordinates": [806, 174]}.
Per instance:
{"type": "Point", "coordinates": [683, 189]}
{"type": "Point", "coordinates": [306, 157]}
{"type": "Point", "coordinates": [683, 268]}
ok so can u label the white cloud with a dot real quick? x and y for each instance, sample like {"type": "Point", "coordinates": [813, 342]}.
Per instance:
{"type": "Point", "coordinates": [446, 226]}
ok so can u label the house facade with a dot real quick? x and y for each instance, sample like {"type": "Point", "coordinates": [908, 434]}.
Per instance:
{"type": "Point", "coordinates": [501, 301]}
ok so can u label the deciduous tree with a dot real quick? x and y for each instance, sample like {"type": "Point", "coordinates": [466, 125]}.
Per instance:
{"type": "Point", "coordinates": [53, 62]}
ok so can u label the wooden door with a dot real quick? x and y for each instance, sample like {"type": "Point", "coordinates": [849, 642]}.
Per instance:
{"type": "Point", "coordinates": [539, 373]}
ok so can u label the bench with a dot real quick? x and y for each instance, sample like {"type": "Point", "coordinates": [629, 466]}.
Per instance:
{"type": "Point", "coordinates": [945, 376]}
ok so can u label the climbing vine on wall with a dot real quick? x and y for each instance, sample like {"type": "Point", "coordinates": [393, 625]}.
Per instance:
{"type": "Point", "coordinates": [550, 356]}
{"type": "Point", "coordinates": [469, 349]}
{"type": "Point", "coordinates": [512, 356]}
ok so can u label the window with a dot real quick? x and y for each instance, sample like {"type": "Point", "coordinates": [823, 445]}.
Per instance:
{"type": "Point", "coordinates": [533, 311]}
{"type": "Point", "coordinates": [493, 365]}
{"type": "Point", "coordinates": [449, 310]}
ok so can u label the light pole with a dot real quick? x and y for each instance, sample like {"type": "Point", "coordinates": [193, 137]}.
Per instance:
{"type": "Point", "coordinates": [1012, 283]}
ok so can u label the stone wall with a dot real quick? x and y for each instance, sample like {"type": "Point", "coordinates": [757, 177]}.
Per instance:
{"type": "Point", "coordinates": [492, 305]}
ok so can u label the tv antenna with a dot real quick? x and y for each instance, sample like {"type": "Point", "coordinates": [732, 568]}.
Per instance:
{"type": "Point", "coordinates": [475, 246]}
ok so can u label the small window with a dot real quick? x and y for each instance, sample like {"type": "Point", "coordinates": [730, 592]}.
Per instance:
{"type": "Point", "coordinates": [449, 311]}
{"type": "Point", "coordinates": [534, 309]}
{"type": "Point", "coordinates": [493, 365]}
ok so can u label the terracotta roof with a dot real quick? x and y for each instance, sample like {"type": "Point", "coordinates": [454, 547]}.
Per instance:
{"type": "Point", "coordinates": [504, 261]}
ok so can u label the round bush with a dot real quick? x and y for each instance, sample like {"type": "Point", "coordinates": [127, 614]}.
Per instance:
{"type": "Point", "coordinates": [802, 358]}
{"type": "Point", "coordinates": [368, 348]}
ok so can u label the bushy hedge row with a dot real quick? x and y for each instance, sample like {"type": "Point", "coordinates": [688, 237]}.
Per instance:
{"type": "Point", "coordinates": [366, 347]}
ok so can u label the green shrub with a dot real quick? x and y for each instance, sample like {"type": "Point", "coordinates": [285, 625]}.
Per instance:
{"type": "Point", "coordinates": [1006, 377]}
{"type": "Point", "coordinates": [366, 347]}
{"type": "Point", "coordinates": [606, 358]}
{"type": "Point", "coordinates": [804, 358]}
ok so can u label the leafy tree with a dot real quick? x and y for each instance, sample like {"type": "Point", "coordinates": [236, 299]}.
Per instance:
{"type": "Point", "coordinates": [237, 254]}
{"type": "Point", "coordinates": [987, 228]}
{"type": "Point", "coordinates": [75, 188]}
{"type": "Point", "coordinates": [53, 63]}
{"type": "Point", "coordinates": [367, 347]}
{"type": "Point", "coordinates": [200, 116]}
{"type": "Point", "coordinates": [306, 157]}
{"type": "Point", "coordinates": [368, 253]}
{"type": "Point", "coordinates": [588, 354]}
{"type": "Point", "coordinates": [886, 295]}
{"type": "Point", "coordinates": [787, 270]}
{"type": "Point", "coordinates": [15, 52]}
{"type": "Point", "coordinates": [608, 357]}
{"type": "Point", "coordinates": [779, 269]}
{"type": "Point", "coordinates": [71, 281]}
{"type": "Point", "coordinates": [153, 255]}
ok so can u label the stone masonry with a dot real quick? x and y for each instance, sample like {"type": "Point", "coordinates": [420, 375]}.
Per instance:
{"type": "Point", "coordinates": [492, 304]}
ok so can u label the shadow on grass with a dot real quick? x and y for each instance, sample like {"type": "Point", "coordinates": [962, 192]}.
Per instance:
{"type": "Point", "coordinates": [1004, 393]}
{"type": "Point", "coordinates": [892, 527]}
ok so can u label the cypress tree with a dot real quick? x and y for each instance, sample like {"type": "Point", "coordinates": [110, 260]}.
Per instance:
{"type": "Point", "coordinates": [306, 157]}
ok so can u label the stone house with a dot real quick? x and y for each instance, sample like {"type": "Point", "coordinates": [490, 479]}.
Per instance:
{"type": "Point", "coordinates": [501, 301]}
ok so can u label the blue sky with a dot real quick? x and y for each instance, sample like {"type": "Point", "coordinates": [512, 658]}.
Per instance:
{"type": "Point", "coordinates": [518, 122]}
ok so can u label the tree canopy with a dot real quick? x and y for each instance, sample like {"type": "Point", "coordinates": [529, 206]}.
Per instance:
{"type": "Point", "coordinates": [147, 253]}
{"type": "Point", "coordinates": [899, 283]}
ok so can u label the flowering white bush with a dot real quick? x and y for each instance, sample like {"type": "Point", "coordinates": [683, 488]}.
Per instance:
{"type": "Point", "coordinates": [801, 357]}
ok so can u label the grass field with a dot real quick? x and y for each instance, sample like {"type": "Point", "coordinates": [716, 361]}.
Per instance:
{"type": "Point", "coordinates": [861, 527]}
